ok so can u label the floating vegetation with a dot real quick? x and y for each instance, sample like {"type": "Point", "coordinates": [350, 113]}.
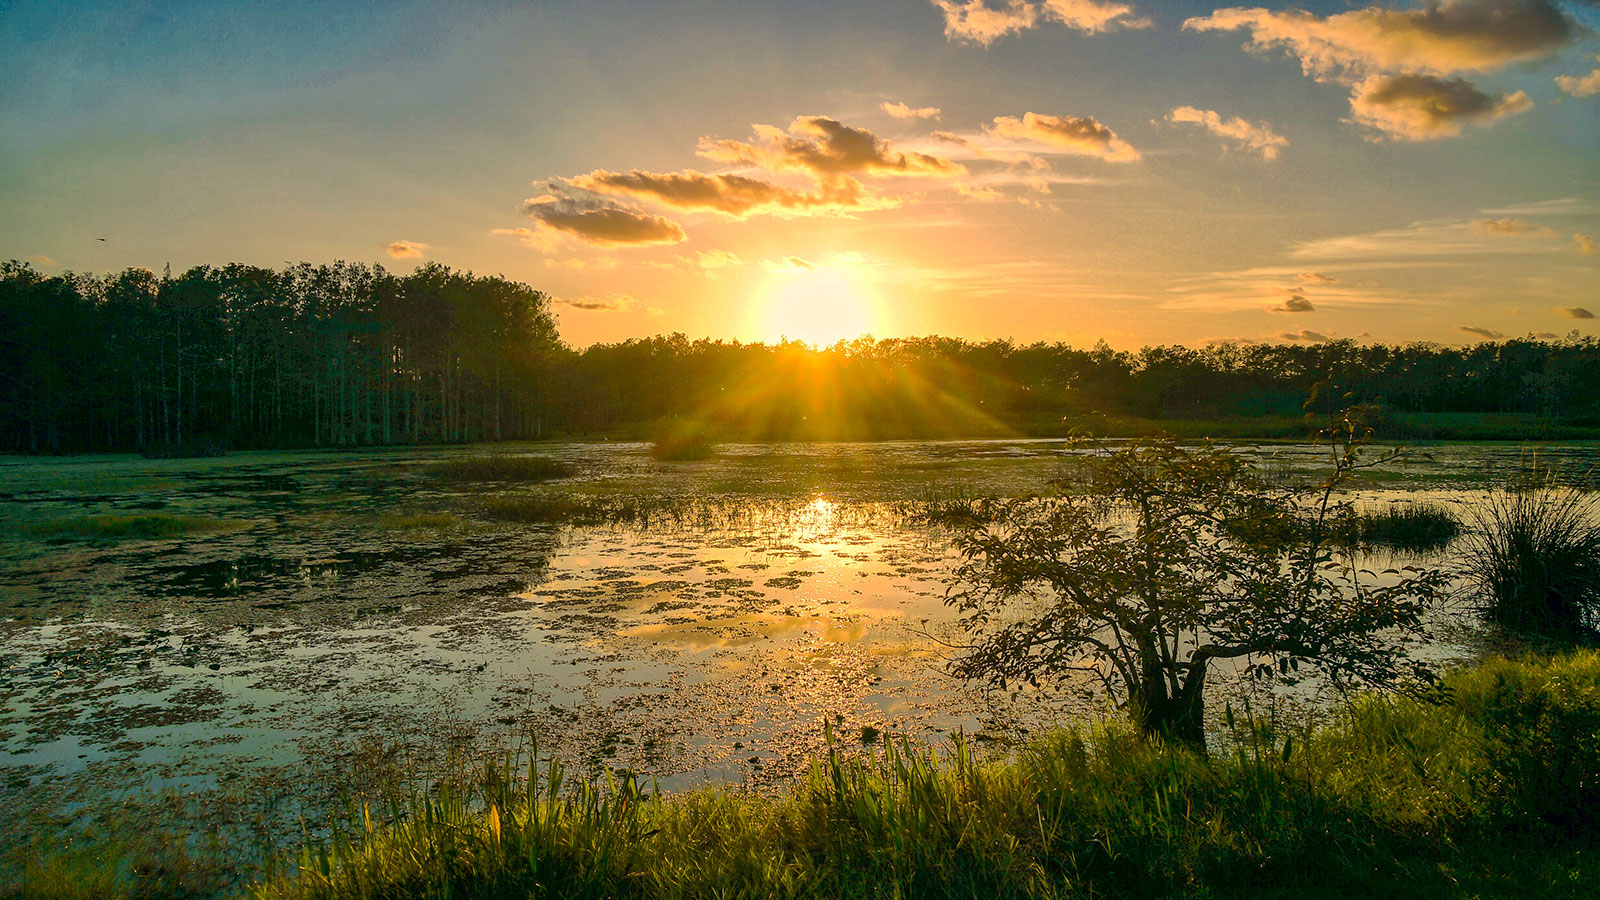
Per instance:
{"type": "Point", "coordinates": [421, 522]}
{"type": "Point", "coordinates": [503, 468]}
{"type": "Point", "coordinates": [135, 526]}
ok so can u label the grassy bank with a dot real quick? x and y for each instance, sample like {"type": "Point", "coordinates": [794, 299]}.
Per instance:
{"type": "Point", "coordinates": [1490, 790]}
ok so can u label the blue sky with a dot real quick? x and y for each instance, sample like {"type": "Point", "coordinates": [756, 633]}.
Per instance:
{"type": "Point", "coordinates": [1095, 169]}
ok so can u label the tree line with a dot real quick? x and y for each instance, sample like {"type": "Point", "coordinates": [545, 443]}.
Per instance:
{"type": "Point", "coordinates": [303, 356]}
{"type": "Point", "coordinates": [352, 355]}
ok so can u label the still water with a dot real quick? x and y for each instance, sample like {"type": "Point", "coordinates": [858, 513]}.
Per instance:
{"type": "Point", "coordinates": [350, 617]}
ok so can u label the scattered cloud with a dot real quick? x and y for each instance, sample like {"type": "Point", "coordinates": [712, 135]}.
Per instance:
{"type": "Point", "coordinates": [42, 261]}
{"type": "Point", "coordinates": [598, 302]}
{"type": "Point", "coordinates": [710, 260]}
{"type": "Point", "coordinates": [733, 195]}
{"type": "Point", "coordinates": [1304, 335]}
{"type": "Point", "coordinates": [1296, 303]}
{"type": "Point", "coordinates": [985, 21]}
{"type": "Point", "coordinates": [1580, 85]}
{"type": "Point", "coordinates": [1439, 37]}
{"type": "Point", "coordinates": [980, 192]}
{"type": "Point", "coordinates": [1485, 333]}
{"type": "Point", "coordinates": [407, 249]}
{"type": "Point", "coordinates": [597, 262]}
{"type": "Point", "coordinates": [789, 264]}
{"type": "Point", "coordinates": [1398, 62]}
{"type": "Point", "coordinates": [824, 147]}
{"type": "Point", "coordinates": [1585, 243]}
{"type": "Point", "coordinates": [902, 111]}
{"type": "Point", "coordinates": [1255, 137]}
{"type": "Point", "coordinates": [1576, 312]}
{"type": "Point", "coordinates": [1414, 107]}
{"type": "Point", "coordinates": [1318, 278]}
{"type": "Point", "coordinates": [1075, 134]}
{"type": "Point", "coordinates": [598, 222]}
{"type": "Point", "coordinates": [1508, 226]}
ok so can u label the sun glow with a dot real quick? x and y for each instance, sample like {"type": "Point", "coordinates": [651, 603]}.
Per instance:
{"type": "Point", "coordinates": [819, 305]}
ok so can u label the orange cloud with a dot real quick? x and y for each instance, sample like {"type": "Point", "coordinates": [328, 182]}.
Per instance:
{"type": "Point", "coordinates": [597, 222]}
{"type": "Point", "coordinates": [1585, 243]}
{"type": "Point", "coordinates": [1576, 312]}
{"type": "Point", "coordinates": [1305, 336]}
{"type": "Point", "coordinates": [1318, 277]}
{"type": "Point", "coordinates": [902, 111]}
{"type": "Point", "coordinates": [825, 147]}
{"type": "Point", "coordinates": [1422, 107]}
{"type": "Point", "coordinates": [1509, 227]}
{"type": "Point", "coordinates": [1440, 37]}
{"type": "Point", "coordinates": [733, 195]}
{"type": "Point", "coordinates": [600, 303]}
{"type": "Point", "coordinates": [407, 249]}
{"type": "Point", "coordinates": [1077, 135]}
{"type": "Point", "coordinates": [1475, 331]}
{"type": "Point", "coordinates": [1256, 138]}
{"type": "Point", "coordinates": [985, 21]}
{"type": "Point", "coordinates": [1295, 304]}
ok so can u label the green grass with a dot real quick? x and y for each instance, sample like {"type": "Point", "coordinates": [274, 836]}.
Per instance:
{"type": "Point", "coordinates": [1493, 794]}
{"type": "Point", "coordinates": [1489, 788]}
{"type": "Point", "coordinates": [135, 526]}
{"type": "Point", "coordinates": [502, 468]}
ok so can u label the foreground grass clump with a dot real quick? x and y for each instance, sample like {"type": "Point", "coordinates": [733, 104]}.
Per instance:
{"type": "Point", "coordinates": [1411, 527]}
{"type": "Point", "coordinates": [1535, 553]}
{"type": "Point", "coordinates": [503, 468]}
{"type": "Point", "coordinates": [1491, 791]}
{"type": "Point", "coordinates": [135, 526]}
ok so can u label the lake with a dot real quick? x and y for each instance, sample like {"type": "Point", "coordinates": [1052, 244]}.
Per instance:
{"type": "Point", "coordinates": [340, 622]}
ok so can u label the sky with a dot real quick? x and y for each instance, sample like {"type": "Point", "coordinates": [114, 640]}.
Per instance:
{"type": "Point", "coordinates": [1042, 170]}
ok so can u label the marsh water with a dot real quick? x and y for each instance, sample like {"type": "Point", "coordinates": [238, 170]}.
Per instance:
{"type": "Point", "coordinates": [342, 619]}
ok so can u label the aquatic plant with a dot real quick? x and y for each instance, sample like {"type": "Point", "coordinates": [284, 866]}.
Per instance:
{"type": "Point", "coordinates": [1534, 553]}
{"type": "Point", "coordinates": [135, 526]}
{"type": "Point", "coordinates": [503, 467]}
{"type": "Point", "coordinates": [1411, 527]}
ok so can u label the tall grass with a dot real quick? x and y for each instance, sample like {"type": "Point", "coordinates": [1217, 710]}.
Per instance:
{"type": "Point", "coordinates": [1535, 554]}
{"type": "Point", "coordinates": [1493, 790]}
{"type": "Point", "coordinates": [1411, 527]}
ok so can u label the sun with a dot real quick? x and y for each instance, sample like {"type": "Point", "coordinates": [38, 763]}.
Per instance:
{"type": "Point", "coordinates": [818, 305]}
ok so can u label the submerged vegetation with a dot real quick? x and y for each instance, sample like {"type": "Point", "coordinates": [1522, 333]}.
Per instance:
{"type": "Point", "coordinates": [1534, 553]}
{"type": "Point", "coordinates": [503, 468]}
{"type": "Point", "coordinates": [1489, 787]}
{"type": "Point", "coordinates": [135, 526]}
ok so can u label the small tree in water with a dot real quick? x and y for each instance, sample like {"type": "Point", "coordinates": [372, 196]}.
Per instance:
{"type": "Point", "coordinates": [1166, 559]}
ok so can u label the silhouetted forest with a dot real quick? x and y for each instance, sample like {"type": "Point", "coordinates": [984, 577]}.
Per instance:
{"type": "Point", "coordinates": [351, 355]}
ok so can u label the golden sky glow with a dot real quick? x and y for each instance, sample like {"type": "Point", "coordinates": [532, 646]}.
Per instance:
{"type": "Point", "coordinates": [1037, 169]}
